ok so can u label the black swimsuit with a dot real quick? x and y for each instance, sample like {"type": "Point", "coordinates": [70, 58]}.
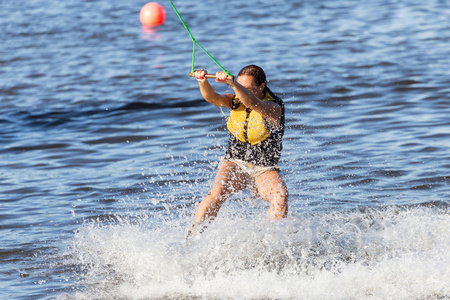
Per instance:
{"type": "Point", "coordinates": [265, 153]}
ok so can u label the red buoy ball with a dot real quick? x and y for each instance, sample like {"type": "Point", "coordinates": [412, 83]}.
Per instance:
{"type": "Point", "coordinates": [152, 14]}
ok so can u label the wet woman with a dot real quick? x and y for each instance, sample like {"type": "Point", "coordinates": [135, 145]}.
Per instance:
{"type": "Point", "coordinates": [256, 126]}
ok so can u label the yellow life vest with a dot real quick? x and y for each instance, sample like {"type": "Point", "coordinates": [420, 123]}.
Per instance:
{"type": "Point", "coordinates": [248, 127]}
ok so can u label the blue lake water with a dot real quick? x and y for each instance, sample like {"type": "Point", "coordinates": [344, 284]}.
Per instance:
{"type": "Point", "coordinates": [106, 147]}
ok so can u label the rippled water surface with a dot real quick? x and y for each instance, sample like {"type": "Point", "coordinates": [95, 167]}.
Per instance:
{"type": "Point", "coordinates": [106, 147]}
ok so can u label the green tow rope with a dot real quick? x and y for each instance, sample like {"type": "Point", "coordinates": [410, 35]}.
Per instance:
{"type": "Point", "coordinates": [195, 42]}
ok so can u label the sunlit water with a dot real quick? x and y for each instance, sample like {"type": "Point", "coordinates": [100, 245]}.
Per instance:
{"type": "Point", "coordinates": [107, 147]}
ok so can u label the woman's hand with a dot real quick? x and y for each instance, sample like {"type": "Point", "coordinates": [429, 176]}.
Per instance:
{"type": "Point", "coordinates": [222, 77]}
{"type": "Point", "coordinates": [200, 75]}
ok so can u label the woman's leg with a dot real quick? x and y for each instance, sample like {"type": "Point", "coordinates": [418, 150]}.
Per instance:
{"type": "Point", "coordinates": [271, 188]}
{"type": "Point", "coordinates": [229, 180]}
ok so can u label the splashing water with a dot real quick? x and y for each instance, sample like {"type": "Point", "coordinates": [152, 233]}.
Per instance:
{"type": "Point", "coordinates": [393, 253]}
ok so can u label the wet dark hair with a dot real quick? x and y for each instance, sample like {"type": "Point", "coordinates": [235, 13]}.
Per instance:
{"type": "Point", "coordinates": [254, 71]}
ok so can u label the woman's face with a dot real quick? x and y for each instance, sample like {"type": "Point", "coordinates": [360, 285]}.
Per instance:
{"type": "Point", "coordinates": [250, 84]}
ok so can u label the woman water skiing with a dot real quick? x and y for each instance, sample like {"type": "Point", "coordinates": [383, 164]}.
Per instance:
{"type": "Point", "coordinates": [256, 125]}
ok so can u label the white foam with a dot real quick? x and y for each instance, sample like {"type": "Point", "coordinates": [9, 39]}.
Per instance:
{"type": "Point", "coordinates": [380, 254]}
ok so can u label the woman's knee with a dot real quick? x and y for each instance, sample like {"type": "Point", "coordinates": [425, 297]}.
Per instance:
{"type": "Point", "coordinates": [280, 198]}
{"type": "Point", "coordinates": [284, 193]}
